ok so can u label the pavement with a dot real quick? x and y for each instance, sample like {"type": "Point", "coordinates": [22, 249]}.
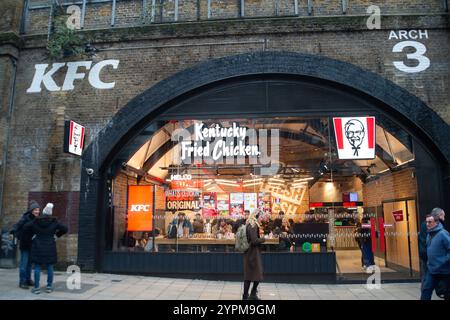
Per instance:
{"type": "Point", "coordinates": [99, 286]}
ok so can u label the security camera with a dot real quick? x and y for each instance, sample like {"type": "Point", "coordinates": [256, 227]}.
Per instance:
{"type": "Point", "coordinates": [90, 171]}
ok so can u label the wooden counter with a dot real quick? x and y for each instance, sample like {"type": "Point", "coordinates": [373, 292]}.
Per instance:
{"type": "Point", "coordinates": [205, 241]}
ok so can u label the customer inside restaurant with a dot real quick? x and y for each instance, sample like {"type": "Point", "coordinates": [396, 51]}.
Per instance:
{"type": "Point", "coordinates": [192, 183]}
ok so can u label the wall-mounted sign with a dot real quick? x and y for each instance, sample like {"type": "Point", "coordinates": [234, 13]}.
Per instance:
{"type": "Point", "coordinates": [180, 177]}
{"type": "Point", "coordinates": [186, 184]}
{"type": "Point", "coordinates": [398, 215]}
{"type": "Point", "coordinates": [182, 200]}
{"type": "Point", "coordinates": [73, 137]}
{"type": "Point", "coordinates": [140, 208]}
{"type": "Point", "coordinates": [237, 203]}
{"type": "Point", "coordinates": [41, 77]}
{"type": "Point", "coordinates": [223, 203]}
{"type": "Point", "coordinates": [209, 204]}
{"type": "Point", "coordinates": [411, 48]}
{"type": "Point", "coordinates": [250, 201]}
{"type": "Point", "coordinates": [216, 142]}
{"type": "Point", "coordinates": [355, 137]}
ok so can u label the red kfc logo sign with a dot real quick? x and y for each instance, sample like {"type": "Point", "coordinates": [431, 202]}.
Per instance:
{"type": "Point", "coordinates": [355, 137]}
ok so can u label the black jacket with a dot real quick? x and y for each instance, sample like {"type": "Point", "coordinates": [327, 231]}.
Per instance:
{"type": "Point", "coordinates": [43, 248]}
{"type": "Point", "coordinates": [20, 233]}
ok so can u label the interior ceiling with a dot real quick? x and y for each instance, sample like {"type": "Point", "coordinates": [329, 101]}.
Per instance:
{"type": "Point", "coordinates": [304, 151]}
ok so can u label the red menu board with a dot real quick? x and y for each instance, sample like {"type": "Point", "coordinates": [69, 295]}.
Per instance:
{"type": "Point", "coordinates": [209, 204]}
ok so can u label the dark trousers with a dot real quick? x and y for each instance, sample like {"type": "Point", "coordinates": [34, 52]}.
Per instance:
{"type": "Point", "coordinates": [430, 283]}
{"type": "Point", "coordinates": [247, 286]}
{"type": "Point", "coordinates": [24, 267]}
{"type": "Point", "coordinates": [368, 254]}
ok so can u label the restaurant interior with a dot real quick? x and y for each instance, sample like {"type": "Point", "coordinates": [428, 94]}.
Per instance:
{"type": "Point", "coordinates": [312, 201]}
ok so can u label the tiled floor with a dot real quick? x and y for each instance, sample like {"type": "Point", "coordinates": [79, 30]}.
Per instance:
{"type": "Point", "coordinates": [107, 286]}
{"type": "Point", "coordinates": [349, 261]}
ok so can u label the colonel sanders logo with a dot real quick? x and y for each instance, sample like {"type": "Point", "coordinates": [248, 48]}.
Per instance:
{"type": "Point", "coordinates": [354, 131]}
{"type": "Point", "coordinates": [355, 137]}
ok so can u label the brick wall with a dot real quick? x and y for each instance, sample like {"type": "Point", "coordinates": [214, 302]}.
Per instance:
{"type": "Point", "coordinates": [98, 15]}
{"type": "Point", "coordinates": [131, 12]}
{"type": "Point", "coordinates": [397, 185]}
{"type": "Point", "coordinates": [36, 162]}
{"type": "Point", "coordinates": [11, 12]}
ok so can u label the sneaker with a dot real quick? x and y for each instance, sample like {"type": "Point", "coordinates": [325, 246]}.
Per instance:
{"type": "Point", "coordinates": [49, 289]}
{"type": "Point", "coordinates": [36, 290]}
{"type": "Point", "coordinates": [30, 282]}
{"type": "Point", "coordinates": [24, 286]}
{"type": "Point", "coordinates": [253, 296]}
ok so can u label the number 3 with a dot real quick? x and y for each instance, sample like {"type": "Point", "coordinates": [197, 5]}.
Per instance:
{"type": "Point", "coordinates": [424, 62]}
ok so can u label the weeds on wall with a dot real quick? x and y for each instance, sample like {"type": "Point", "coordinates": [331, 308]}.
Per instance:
{"type": "Point", "coordinates": [63, 42]}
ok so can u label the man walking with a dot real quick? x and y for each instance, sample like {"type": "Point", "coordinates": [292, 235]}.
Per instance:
{"type": "Point", "coordinates": [436, 212]}
{"type": "Point", "coordinates": [24, 237]}
{"type": "Point", "coordinates": [438, 257]}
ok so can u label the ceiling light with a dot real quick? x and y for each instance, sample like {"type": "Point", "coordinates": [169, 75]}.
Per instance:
{"type": "Point", "coordinates": [252, 180]}
{"type": "Point", "coordinates": [252, 184]}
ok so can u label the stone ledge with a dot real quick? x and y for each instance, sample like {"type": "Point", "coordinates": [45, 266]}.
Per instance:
{"type": "Point", "coordinates": [254, 26]}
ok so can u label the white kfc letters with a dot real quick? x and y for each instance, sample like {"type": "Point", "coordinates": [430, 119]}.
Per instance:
{"type": "Point", "coordinates": [73, 73]}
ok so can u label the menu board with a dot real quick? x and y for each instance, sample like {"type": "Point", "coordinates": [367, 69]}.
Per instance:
{"type": "Point", "coordinates": [264, 202]}
{"type": "Point", "coordinates": [179, 200]}
{"type": "Point", "coordinates": [237, 203]}
{"type": "Point", "coordinates": [209, 204]}
{"type": "Point", "coordinates": [250, 201]}
{"type": "Point", "coordinates": [223, 203]}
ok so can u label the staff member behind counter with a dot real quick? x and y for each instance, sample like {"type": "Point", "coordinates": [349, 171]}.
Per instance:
{"type": "Point", "coordinates": [198, 223]}
{"type": "Point", "coordinates": [180, 226]}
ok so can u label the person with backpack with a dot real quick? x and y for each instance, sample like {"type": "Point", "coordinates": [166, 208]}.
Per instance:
{"type": "Point", "coordinates": [43, 248]}
{"type": "Point", "coordinates": [25, 244]}
{"type": "Point", "coordinates": [253, 267]}
{"type": "Point", "coordinates": [438, 258]}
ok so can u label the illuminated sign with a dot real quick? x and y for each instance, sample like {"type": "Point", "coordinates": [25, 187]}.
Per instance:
{"type": "Point", "coordinates": [182, 200]}
{"type": "Point", "coordinates": [202, 145]}
{"type": "Point", "coordinates": [355, 137]}
{"type": "Point", "coordinates": [73, 138]}
{"type": "Point", "coordinates": [140, 204]}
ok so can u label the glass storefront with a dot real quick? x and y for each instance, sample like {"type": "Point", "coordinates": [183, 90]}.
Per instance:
{"type": "Point", "coordinates": [192, 182]}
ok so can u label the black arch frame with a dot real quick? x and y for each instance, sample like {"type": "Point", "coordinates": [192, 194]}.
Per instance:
{"type": "Point", "coordinates": [401, 105]}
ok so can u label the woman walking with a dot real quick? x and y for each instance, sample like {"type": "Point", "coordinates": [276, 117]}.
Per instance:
{"type": "Point", "coordinates": [253, 268]}
{"type": "Point", "coordinates": [43, 247]}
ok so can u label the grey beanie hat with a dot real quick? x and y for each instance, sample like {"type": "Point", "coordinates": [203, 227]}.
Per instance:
{"type": "Point", "coordinates": [34, 205]}
{"type": "Point", "coordinates": [48, 210]}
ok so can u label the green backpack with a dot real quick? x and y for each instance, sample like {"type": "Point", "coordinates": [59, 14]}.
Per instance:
{"type": "Point", "coordinates": [242, 244]}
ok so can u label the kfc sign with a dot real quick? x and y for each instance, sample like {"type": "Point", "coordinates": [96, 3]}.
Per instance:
{"type": "Point", "coordinates": [73, 138]}
{"type": "Point", "coordinates": [42, 76]}
{"type": "Point", "coordinates": [140, 204]}
{"type": "Point", "coordinates": [140, 208]}
{"type": "Point", "coordinates": [355, 137]}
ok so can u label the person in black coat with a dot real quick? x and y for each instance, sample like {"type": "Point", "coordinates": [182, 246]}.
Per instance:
{"type": "Point", "coordinates": [43, 249]}
{"type": "Point", "coordinates": [25, 244]}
